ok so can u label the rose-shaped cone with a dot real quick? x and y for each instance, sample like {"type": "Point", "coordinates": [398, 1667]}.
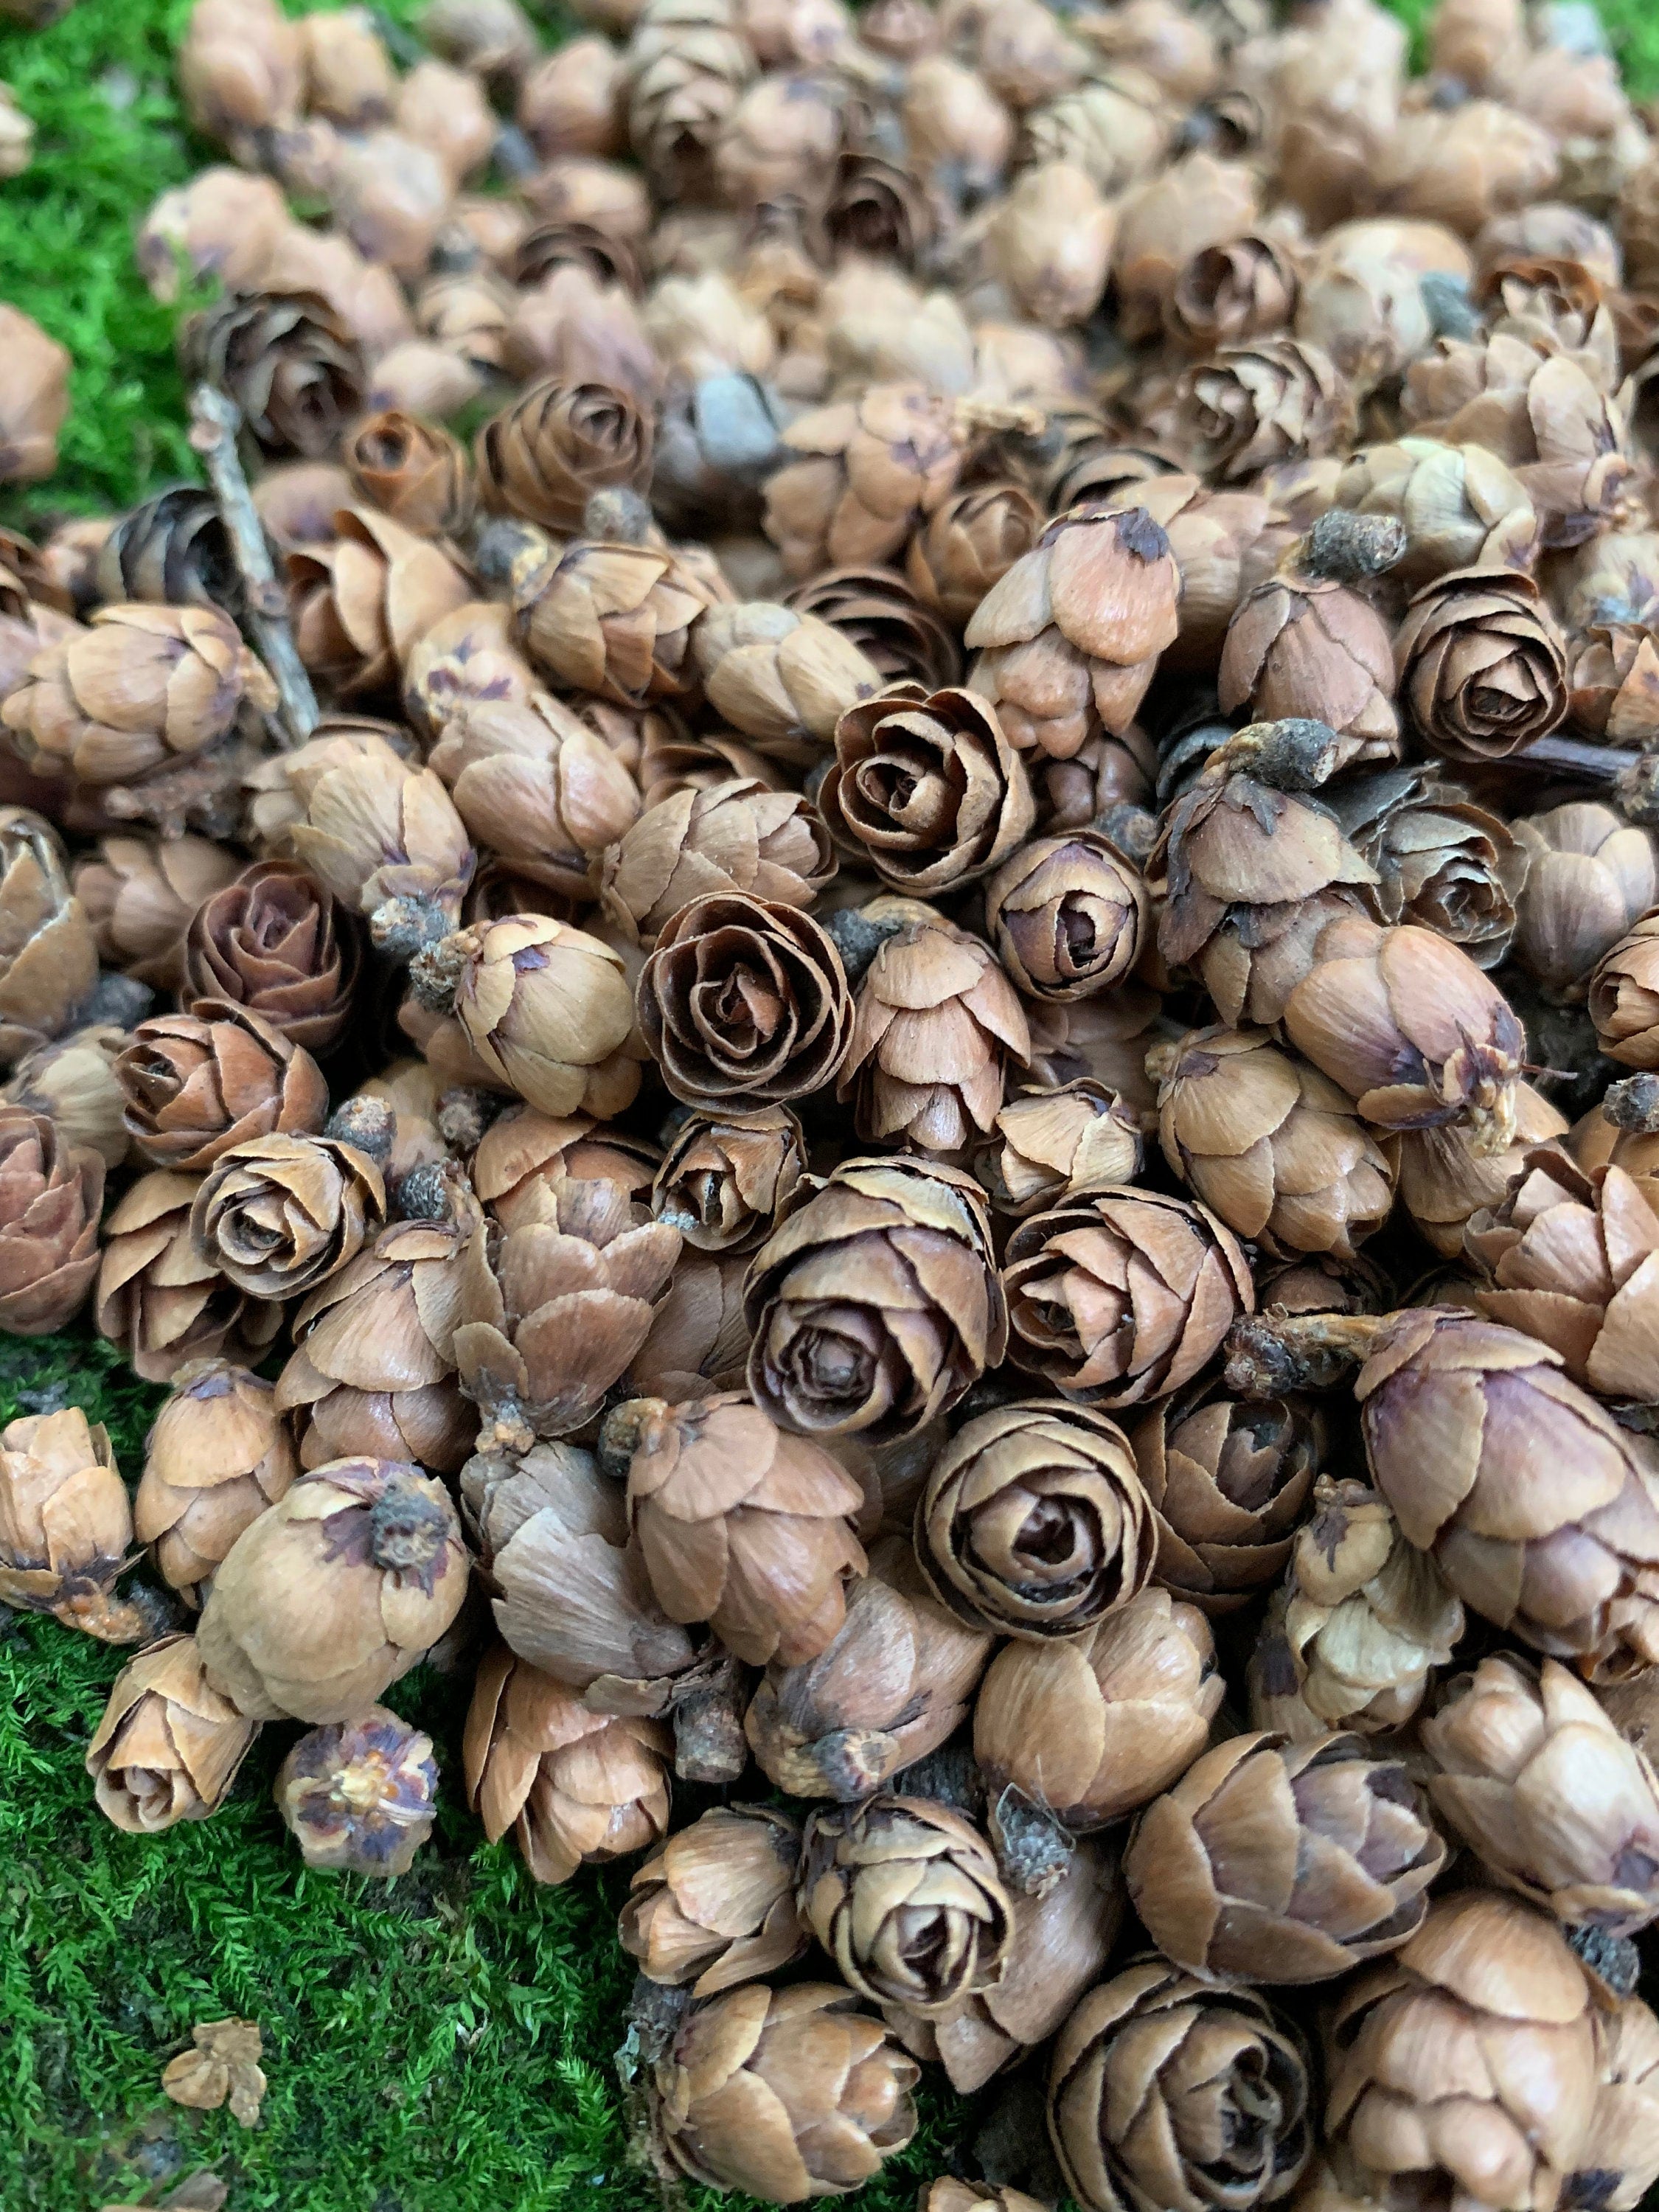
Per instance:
{"type": "Point", "coordinates": [715, 1906]}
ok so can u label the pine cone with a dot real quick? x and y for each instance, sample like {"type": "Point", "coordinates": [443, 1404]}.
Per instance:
{"type": "Point", "coordinates": [288, 362]}
{"type": "Point", "coordinates": [73, 1084]}
{"type": "Point", "coordinates": [937, 1021]}
{"type": "Point", "coordinates": [1462, 508]}
{"type": "Point", "coordinates": [614, 620]}
{"type": "Point", "coordinates": [576, 1788]}
{"type": "Point", "coordinates": [726, 1177]}
{"type": "Point", "coordinates": [65, 1525]}
{"type": "Point", "coordinates": [873, 469]}
{"type": "Point", "coordinates": [1624, 997]}
{"type": "Point", "coordinates": [897, 1681]}
{"type": "Point", "coordinates": [875, 1305]}
{"type": "Point", "coordinates": [784, 678]}
{"type": "Point", "coordinates": [1052, 1145]}
{"type": "Point", "coordinates": [1154, 2072]}
{"type": "Point", "coordinates": [1271, 1145]}
{"type": "Point", "coordinates": [1623, 2145]}
{"type": "Point", "coordinates": [1591, 877]}
{"type": "Point", "coordinates": [715, 1906]}
{"type": "Point", "coordinates": [197, 1083]}
{"type": "Point", "coordinates": [141, 689]}
{"type": "Point", "coordinates": [1468, 2060]}
{"type": "Point", "coordinates": [969, 543]}
{"type": "Point", "coordinates": [1251, 407]}
{"type": "Point", "coordinates": [1229, 1483]}
{"type": "Point", "coordinates": [1442, 861]}
{"type": "Point", "coordinates": [1034, 1522]}
{"type": "Point", "coordinates": [524, 1159]}
{"type": "Point", "coordinates": [699, 1339]}
{"type": "Point", "coordinates": [1235, 291]}
{"type": "Point", "coordinates": [160, 1299]}
{"type": "Point", "coordinates": [1123, 1295]}
{"type": "Point", "coordinates": [218, 1455]}
{"type": "Point", "coordinates": [363, 603]}
{"type": "Point", "coordinates": [1613, 675]}
{"type": "Point", "coordinates": [1444, 1182]}
{"type": "Point", "coordinates": [48, 953]}
{"type": "Point", "coordinates": [558, 443]}
{"type": "Point", "coordinates": [277, 1215]}
{"type": "Point", "coordinates": [1566, 1566]}
{"type": "Point", "coordinates": [50, 1192]}
{"type": "Point", "coordinates": [168, 1746]}
{"type": "Point", "coordinates": [546, 1010]}
{"type": "Point", "coordinates": [334, 1593]}
{"type": "Point", "coordinates": [140, 893]}
{"type": "Point", "coordinates": [896, 628]}
{"type": "Point", "coordinates": [1306, 645]}
{"type": "Point", "coordinates": [1196, 202]}
{"type": "Point", "coordinates": [414, 471]}
{"type": "Point", "coordinates": [1070, 637]}
{"type": "Point", "coordinates": [173, 551]}
{"type": "Point", "coordinates": [274, 941]}
{"type": "Point", "coordinates": [734, 839]}
{"type": "Point", "coordinates": [1070, 915]}
{"type": "Point", "coordinates": [684, 67]}
{"type": "Point", "coordinates": [1483, 668]}
{"type": "Point", "coordinates": [1091, 1726]}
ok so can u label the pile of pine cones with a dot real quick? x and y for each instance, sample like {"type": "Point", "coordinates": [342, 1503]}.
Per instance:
{"type": "Point", "coordinates": [933, 1098]}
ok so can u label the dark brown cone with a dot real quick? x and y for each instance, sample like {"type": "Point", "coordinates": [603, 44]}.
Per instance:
{"type": "Point", "coordinates": [1482, 666]}
{"type": "Point", "coordinates": [275, 942]}
{"type": "Point", "coordinates": [557, 444]}
{"type": "Point", "coordinates": [414, 471]}
{"type": "Point", "coordinates": [197, 1083]}
{"type": "Point", "coordinates": [287, 360]}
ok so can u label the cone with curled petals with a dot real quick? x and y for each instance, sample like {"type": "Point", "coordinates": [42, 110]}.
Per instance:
{"type": "Point", "coordinates": [1034, 1522]}
{"type": "Point", "coordinates": [937, 1021]}
{"type": "Point", "coordinates": [1088, 1728]}
{"type": "Point", "coordinates": [1228, 1480]}
{"type": "Point", "coordinates": [51, 1193]}
{"type": "Point", "coordinates": [415, 471]}
{"type": "Point", "coordinates": [1069, 638]}
{"type": "Point", "coordinates": [875, 1305]}
{"type": "Point", "coordinates": [1249, 407]}
{"type": "Point", "coordinates": [169, 1745]}
{"type": "Point", "coordinates": [741, 1525]}
{"type": "Point", "coordinates": [783, 677]}
{"type": "Point", "coordinates": [736, 837]}
{"type": "Point", "coordinates": [715, 1906]}
{"type": "Point", "coordinates": [1069, 914]}
{"type": "Point", "coordinates": [1363, 1620]}
{"type": "Point", "coordinates": [1122, 1295]}
{"type": "Point", "coordinates": [1623, 997]}
{"type": "Point", "coordinates": [551, 1312]}
{"type": "Point", "coordinates": [545, 456]}
{"type": "Point", "coordinates": [890, 1687]}
{"type": "Point", "coordinates": [1620, 2162]}
{"type": "Point", "coordinates": [362, 603]}
{"type": "Point", "coordinates": [904, 1895]}
{"type": "Point", "coordinates": [786, 2094]}
{"type": "Point", "coordinates": [1541, 1512]}
{"type": "Point", "coordinates": [277, 1215]}
{"type": "Point", "coordinates": [1530, 1772]}
{"type": "Point", "coordinates": [744, 1001]}
{"type": "Point", "coordinates": [1442, 861]}
{"type": "Point", "coordinates": [373, 1372]}
{"type": "Point", "coordinates": [1051, 1144]}
{"type": "Point", "coordinates": [1162, 2091]}
{"type": "Point", "coordinates": [160, 1298]}
{"type": "Point", "coordinates": [546, 1009]}
{"type": "Point", "coordinates": [1411, 1029]}
{"type": "Point", "coordinates": [1467, 2064]}
{"type": "Point", "coordinates": [574, 1786]}
{"type": "Point", "coordinates": [218, 1455]}
{"type": "Point", "coordinates": [1343, 1853]}
{"type": "Point", "coordinates": [969, 543]}
{"type": "Point", "coordinates": [1274, 1147]}
{"type": "Point", "coordinates": [726, 1177]}
{"type": "Point", "coordinates": [140, 689]}
{"type": "Point", "coordinates": [197, 1083]}
{"type": "Point", "coordinates": [1482, 666]}
{"type": "Point", "coordinates": [1059, 1943]}
{"type": "Point", "coordinates": [334, 1593]}
{"type": "Point", "coordinates": [927, 789]}
{"type": "Point", "coordinates": [275, 941]}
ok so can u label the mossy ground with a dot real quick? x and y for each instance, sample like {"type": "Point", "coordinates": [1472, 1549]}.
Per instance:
{"type": "Point", "coordinates": [440, 2044]}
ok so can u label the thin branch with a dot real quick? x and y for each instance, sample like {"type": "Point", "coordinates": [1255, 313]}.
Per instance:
{"type": "Point", "coordinates": [215, 422]}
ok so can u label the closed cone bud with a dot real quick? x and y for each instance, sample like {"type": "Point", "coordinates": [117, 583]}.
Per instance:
{"type": "Point", "coordinates": [363, 603]}
{"type": "Point", "coordinates": [546, 1009]}
{"type": "Point", "coordinates": [1069, 638]}
{"type": "Point", "coordinates": [1074, 1319]}
{"type": "Point", "coordinates": [744, 1001]}
{"type": "Point", "coordinates": [327, 1198]}
{"type": "Point", "coordinates": [1330, 1804]}
{"type": "Point", "coordinates": [1272, 1146]}
{"type": "Point", "coordinates": [376, 829]}
{"type": "Point", "coordinates": [358, 1796]}
{"type": "Point", "coordinates": [1529, 1772]}
{"type": "Point", "coordinates": [613, 619]}
{"type": "Point", "coordinates": [726, 1177]}
{"type": "Point", "coordinates": [1089, 1728]}
{"type": "Point", "coordinates": [1302, 646]}
{"type": "Point", "coordinates": [1483, 1973]}
{"type": "Point", "coordinates": [715, 1906]}
{"type": "Point", "coordinates": [197, 1083]}
{"type": "Point", "coordinates": [895, 1681]}
{"type": "Point", "coordinates": [782, 678]}
{"type": "Point", "coordinates": [917, 1317]}
{"type": "Point", "coordinates": [218, 1455]}
{"type": "Point", "coordinates": [1623, 997]}
{"type": "Point", "coordinates": [1569, 1573]}
{"type": "Point", "coordinates": [889, 619]}
{"type": "Point", "coordinates": [1049, 1145]}
{"type": "Point", "coordinates": [1229, 1481]}
{"type": "Point", "coordinates": [737, 836]}
{"type": "Point", "coordinates": [938, 1023]}
{"type": "Point", "coordinates": [1461, 507]}
{"type": "Point", "coordinates": [161, 1299]}
{"type": "Point", "coordinates": [51, 1190]}
{"type": "Point", "coordinates": [1620, 2162]}
{"type": "Point", "coordinates": [573, 1787]}
{"type": "Point", "coordinates": [870, 471]}
{"type": "Point", "coordinates": [768, 2056]}
{"type": "Point", "coordinates": [1365, 1620]}
{"type": "Point", "coordinates": [49, 953]}
{"type": "Point", "coordinates": [1034, 1522]}
{"type": "Point", "coordinates": [1051, 243]}
{"type": "Point", "coordinates": [334, 1593]}
{"type": "Point", "coordinates": [1153, 2070]}
{"type": "Point", "coordinates": [568, 104]}
{"type": "Point", "coordinates": [169, 1745]}
{"type": "Point", "coordinates": [904, 1896]}
{"type": "Point", "coordinates": [73, 1084]}
{"type": "Point", "coordinates": [141, 893]}
{"type": "Point", "coordinates": [65, 1524]}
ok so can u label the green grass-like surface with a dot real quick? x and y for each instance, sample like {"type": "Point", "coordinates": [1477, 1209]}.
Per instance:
{"type": "Point", "coordinates": [441, 2044]}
